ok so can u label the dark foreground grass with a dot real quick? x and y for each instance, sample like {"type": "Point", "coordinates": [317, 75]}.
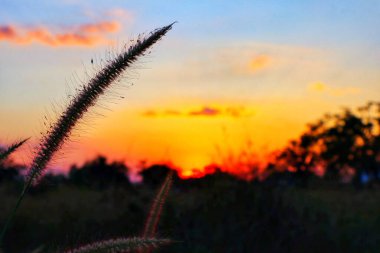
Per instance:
{"type": "Point", "coordinates": [219, 214]}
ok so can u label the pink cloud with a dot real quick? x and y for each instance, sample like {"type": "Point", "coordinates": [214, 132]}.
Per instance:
{"type": "Point", "coordinates": [101, 27]}
{"type": "Point", "coordinates": [82, 35]}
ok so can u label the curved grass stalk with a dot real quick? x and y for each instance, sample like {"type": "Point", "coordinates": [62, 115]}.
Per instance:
{"type": "Point", "coordinates": [81, 103]}
{"type": "Point", "coordinates": [12, 148]}
{"type": "Point", "coordinates": [121, 245]}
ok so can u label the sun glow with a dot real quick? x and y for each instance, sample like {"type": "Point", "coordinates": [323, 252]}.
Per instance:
{"type": "Point", "coordinates": [195, 140]}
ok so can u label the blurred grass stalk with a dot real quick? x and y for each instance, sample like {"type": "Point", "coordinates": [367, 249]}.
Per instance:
{"type": "Point", "coordinates": [121, 245]}
{"type": "Point", "coordinates": [155, 211]}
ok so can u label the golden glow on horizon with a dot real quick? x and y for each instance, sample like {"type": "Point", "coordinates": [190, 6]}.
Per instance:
{"type": "Point", "coordinates": [188, 142]}
{"type": "Point", "coordinates": [191, 144]}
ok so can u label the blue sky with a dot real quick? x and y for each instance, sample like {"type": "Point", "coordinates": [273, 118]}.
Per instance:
{"type": "Point", "coordinates": [300, 22]}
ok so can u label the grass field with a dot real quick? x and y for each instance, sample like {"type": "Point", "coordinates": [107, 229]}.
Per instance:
{"type": "Point", "coordinates": [214, 214]}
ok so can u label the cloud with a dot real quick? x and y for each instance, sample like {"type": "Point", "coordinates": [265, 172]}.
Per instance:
{"type": "Point", "coordinates": [343, 91]}
{"type": "Point", "coordinates": [172, 112]}
{"type": "Point", "coordinates": [247, 64]}
{"type": "Point", "coordinates": [205, 111]}
{"type": "Point", "coordinates": [102, 27]}
{"type": "Point", "coordinates": [259, 62]}
{"type": "Point", "coordinates": [322, 88]}
{"type": "Point", "coordinates": [120, 13]}
{"type": "Point", "coordinates": [318, 87]}
{"type": "Point", "coordinates": [82, 35]}
{"type": "Point", "coordinates": [237, 112]}
{"type": "Point", "coordinates": [150, 113]}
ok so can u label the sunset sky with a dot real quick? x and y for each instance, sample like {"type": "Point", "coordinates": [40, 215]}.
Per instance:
{"type": "Point", "coordinates": [230, 76]}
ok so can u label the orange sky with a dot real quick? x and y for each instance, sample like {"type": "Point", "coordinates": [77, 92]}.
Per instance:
{"type": "Point", "coordinates": [214, 83]}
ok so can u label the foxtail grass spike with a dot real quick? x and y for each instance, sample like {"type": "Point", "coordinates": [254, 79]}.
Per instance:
{"type": "Point", "coordinates": [87, 97]}
{"type": "Point", "coordinates": [79, 105]}
{"type": "Point", "coordinates": [11, 149]}
{"type": "Point", "coordinates": [121, 245]}
{"type": "Point", "coordinates": [156, 208]}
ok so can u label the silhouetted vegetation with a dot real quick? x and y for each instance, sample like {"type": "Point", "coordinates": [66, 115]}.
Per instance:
{"type": "Point", "coordinates": [9, 171]}
{"type": "Point", "coordinates": [100, 174]}
{"type": "Point", "coordinates": [218, 212]}
{"type": "Point", "coordinates": [342, 147]}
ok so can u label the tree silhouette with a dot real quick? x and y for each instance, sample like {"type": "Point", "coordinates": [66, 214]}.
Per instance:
{"type": "Point", "coordinates": [346, 145]}
{"type": "Point", "coordinates": [99, 173]}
